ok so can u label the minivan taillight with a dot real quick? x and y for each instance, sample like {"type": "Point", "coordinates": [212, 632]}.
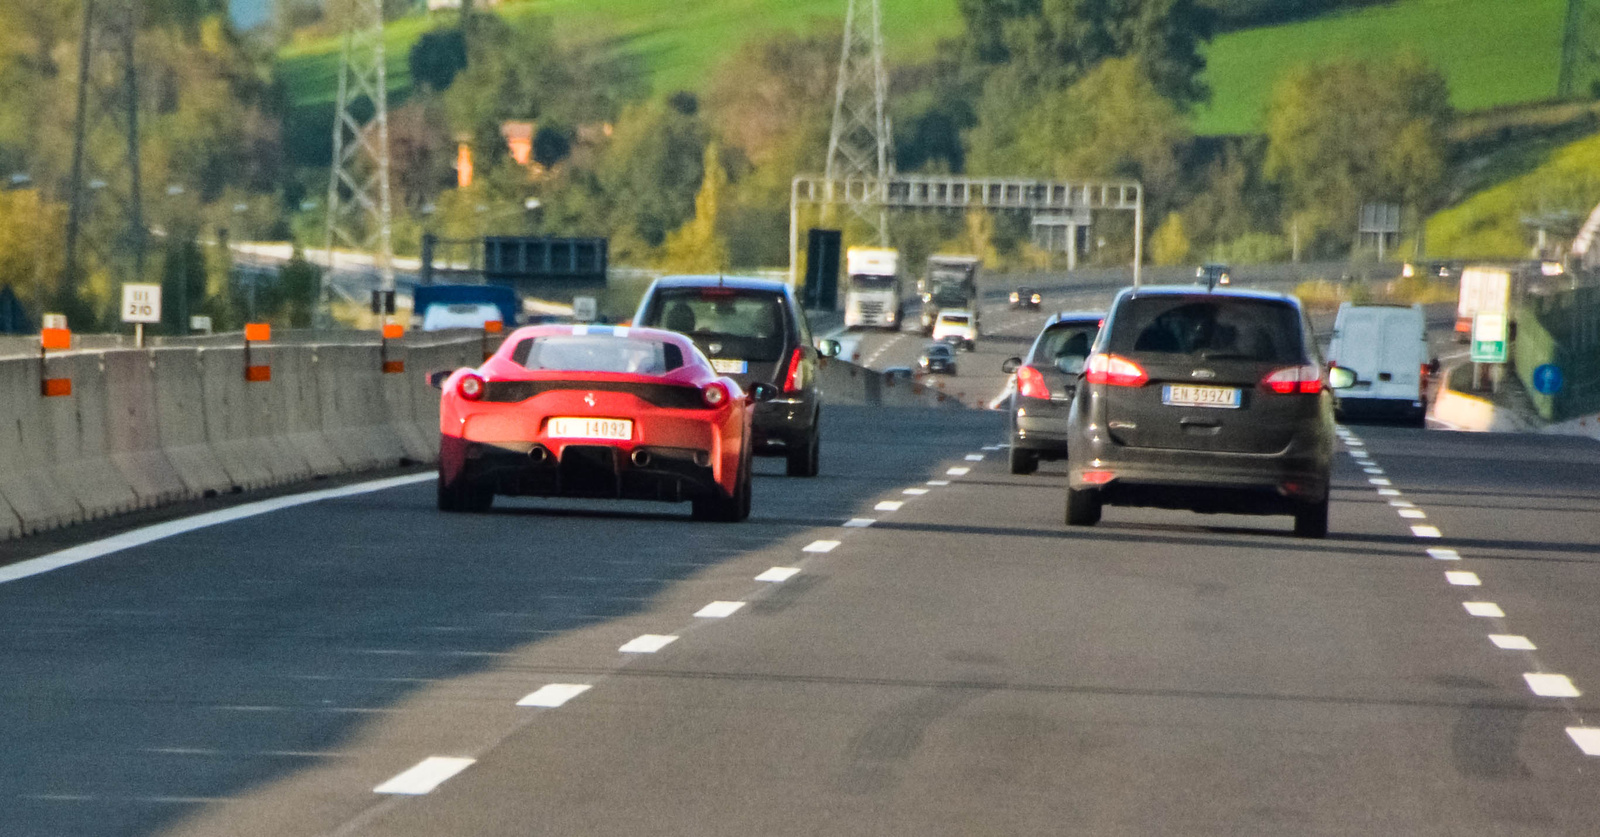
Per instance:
{"type": "Point", "coordinates": [1306, 380]}
{"type": "Point", "coordinates": [791, 379]}
{"type": "Point", "coordinates": [471, 387]}
{"type": "Point", "coordinates": [1115, 371]}
{"type": "Point", "coordinates": [1030, 383]}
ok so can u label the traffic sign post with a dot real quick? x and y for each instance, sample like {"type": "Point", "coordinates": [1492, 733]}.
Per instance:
{"type": "Point", "coordinates": [1490, 335]}
{"type": "Point", "coordinates": [1548, 379]}
{"type": "Point", "coordinates": [141, 304]}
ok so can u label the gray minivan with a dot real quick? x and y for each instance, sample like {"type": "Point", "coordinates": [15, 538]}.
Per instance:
{"type": "Point", "coordinates": [1209, 400]}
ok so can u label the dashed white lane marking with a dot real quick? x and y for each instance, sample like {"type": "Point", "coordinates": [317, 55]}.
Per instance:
{"type": "Point", "coordinates": [777, 575]}
{"type": "Point", "coordinates": [1377, 471]}
{"type": "Point", "coordinates": [1512, 642]}
{"type": "Point", "coordinates": [915, 492]}
{"type": "Point", "coordinates": [149, 534]}
{"type": "Point", "coordinates": [1426, 531]}
{"type": "Point", "coordinates": [821, 546]}
{"type": "Point", "coordinates": [1402, 504]}
{"type": "Point", "coordinates": [428, 774]}
{"type": "Point", "coordinates": [938, 483]}
{"type": "Point", "coordinates": [1379, 481]}
{"type": "Point", "coordinates": [884, 348]}
{"type": "Point", "coordinates": [974, 457]}
{"type": "Point", "coordinates": [993, 447]}
{"type": "Point", "coordinates": [719, 610]}
{"type": "Point", "coordinates": [1354, 442]}
{"type": "Point", "coordinates": [1444, 555]}
{"type": "Point", "coordinates": [959, 471]}
{"type": "Point", "coordinates": [553, 695]}
{"type": "Point", "coordinates": [1587, 739]}
{"type": "Point", "coordinates": [1551, 685]}
{"type": "Point", "coordinates": [1413, 514]}
{"type": "Point", "coordinates": [889, 505]}
{"type": "Point", "coordinates": [859, 522]}
{"type": "Point", "coordinates": [1463, 579]}
{"type": "Point", "coordinates": [1388, 492]}
{"type": "Point", "coordinates": [647, 644]}
{"type": "Point", "coordinates": [1486, 609]}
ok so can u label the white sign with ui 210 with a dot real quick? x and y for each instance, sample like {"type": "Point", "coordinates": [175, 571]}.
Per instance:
{"type": "Point", "coordinates": [141, 303]}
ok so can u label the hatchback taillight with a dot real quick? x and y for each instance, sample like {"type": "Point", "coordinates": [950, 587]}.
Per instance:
{"type": "Point", "coordinates": [471, 387]}
{"type": "Point", "coordinates": [1030, 383]}
{"type": "Point", "coordinates": [1115, 371]}
{"type": "Point", "coordinates": [792, 379]}
{"type": "Point", "coordinates": [1306, 380]}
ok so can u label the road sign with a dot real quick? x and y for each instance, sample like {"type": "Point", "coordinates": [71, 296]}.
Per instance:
{"type": "Point", "coordinates": [584, 309]}
{"type": "Point", "coordinates": [1548, 379]}
{"type": "Point", "coordinates": [1489, 337]}
{"type": "Point", "coordinates": [141, 303]}
{"type": "Point", "coordinates": [200, 323]}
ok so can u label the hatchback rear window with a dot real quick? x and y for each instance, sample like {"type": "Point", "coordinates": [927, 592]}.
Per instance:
{"type": "Point", "coordinates": [598, 353]}
{"type": "Point", "coordinates": [1209, 327]}
{"type": "Point", "coordinates": [1065, 340]}
{"type": "Point", "coordinates": [748, 324]}
{"type": "Point", "coordinates": [954, 319]}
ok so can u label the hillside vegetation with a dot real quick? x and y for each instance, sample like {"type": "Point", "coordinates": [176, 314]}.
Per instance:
{"type": "Point", "coordinates": [1489, 224]}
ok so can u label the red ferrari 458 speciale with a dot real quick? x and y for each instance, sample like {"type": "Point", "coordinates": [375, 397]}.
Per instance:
{"type": "Point", "coordinates": [599, 412]}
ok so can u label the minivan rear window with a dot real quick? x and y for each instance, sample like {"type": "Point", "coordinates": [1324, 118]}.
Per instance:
{"type": "Point", "coordinates": [1209, 328]}
{"type": "Point", "coordinates": [748, 324]}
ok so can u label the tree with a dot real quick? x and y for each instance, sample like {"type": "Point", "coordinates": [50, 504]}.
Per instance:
{"type": "Point", "coordinates": [652, 169]}
{"type": "Point", "coordinates": [1351, 132]}
{"type": "Point", "coordinates": [1170, 244]}
{"type": "Point", "coordinates": [697, 246]}
{"type": "Point", "coordinates": [437, 56]}
{"type": "Point", "coordinates": [771, 88]}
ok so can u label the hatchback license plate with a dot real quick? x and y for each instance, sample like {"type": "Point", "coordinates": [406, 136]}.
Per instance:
{"type": "Point", "coordinates": [591, 428]}
{"type": "Point", "coordinates": [730, 367]}
{"type": "Point", "coordinates": [1177, 395]}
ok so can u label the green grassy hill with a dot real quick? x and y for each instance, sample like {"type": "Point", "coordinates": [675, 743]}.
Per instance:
{"type": "Point", "coordinates": [1494, 52]}
{"type": "Point", "coordinates": [1542, 182]}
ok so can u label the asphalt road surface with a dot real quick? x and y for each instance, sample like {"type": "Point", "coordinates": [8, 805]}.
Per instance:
{"type": "Point", "coordinates": [964, 664]}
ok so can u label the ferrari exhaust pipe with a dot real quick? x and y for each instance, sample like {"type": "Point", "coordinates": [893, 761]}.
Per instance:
{"type": "Point", "coordinates": [641, 458]}
{"type": "Point", "coordinates": [538, 454]}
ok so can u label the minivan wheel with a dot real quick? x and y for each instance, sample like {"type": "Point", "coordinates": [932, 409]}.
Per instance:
{"type": "Point", "coordinates": [805, 460]}
{"type": "Point", "coordinates": [1311, 521]}
{"type": "Point", "coordinates": [1022, 461]}
{"type": "Point", "coordinates": [1083, 507]}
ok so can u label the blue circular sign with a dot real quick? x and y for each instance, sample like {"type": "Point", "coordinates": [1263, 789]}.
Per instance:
{"type": "Point", "coordinates": [1547, 379]}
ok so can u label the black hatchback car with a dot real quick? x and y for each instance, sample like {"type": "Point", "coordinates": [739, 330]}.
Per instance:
{"type": "Point", "coordinates": [753, 331]}
{"type": "Point", "coordinates": [937, 359]}
{"type": "Point", "coordinates": [1213, 401]}
{"type": "Point", "coordinates": [1044, 381]}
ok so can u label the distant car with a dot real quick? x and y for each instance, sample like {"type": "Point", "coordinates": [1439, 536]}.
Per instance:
{"type": "Point", "coordinates": [938, 359]}
{"type": "Point", "coordinates": [1043, 383]}
{"type": "Point", "coordinates": [597, 412]}
{"type": "Point", "coordinates": [1386, 348]}
{"type": "Point", "coordinates": [1213, 275]}
{"type": "Point", "coordinates": [960, 327]}
{"type": "Point", "coordinates": [1027, 299]}
{"type": "Point", "coordinates": [754, 331]}
{"type": "Point", "coordinates": [1214, 401]}
{"type": "Point", "coordinates": [899, 373]}
{"type": "Point", "coordinates": [1439, 270]}
{"type": "Point", "coordinates": [461, 315]}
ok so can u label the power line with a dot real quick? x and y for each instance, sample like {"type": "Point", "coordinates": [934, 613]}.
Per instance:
{"type": "Point", "coordinates": [359, 213]}
{"type": "Point", "coordinates": [860, 146]}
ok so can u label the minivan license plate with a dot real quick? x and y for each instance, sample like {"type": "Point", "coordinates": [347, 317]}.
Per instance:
{"type": "Point", "coordinates": [729, 367]}
{"type": "Point", "coordinates": [591, 428]}
{"type": "Point", "coordinates": [1178, 395]}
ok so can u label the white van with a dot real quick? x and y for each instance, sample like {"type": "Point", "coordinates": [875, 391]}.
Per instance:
{"type": "Point", "coordinates": [1386, 346]}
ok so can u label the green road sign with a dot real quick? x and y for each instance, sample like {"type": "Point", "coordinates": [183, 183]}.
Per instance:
{"type": "Point", "coordinates": [1489, 338]}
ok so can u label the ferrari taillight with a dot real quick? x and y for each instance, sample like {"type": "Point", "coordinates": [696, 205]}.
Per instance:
{"type": "Point", "coordinates": [471, 387]}
{"type": "Point", "coordinates": [715, 395]}
{"type": "Point", "coordinates": [1306, 380]}
{"type": "Point", "coordinates": [1030, 383]}
{"type": "Point", "coordinates": [791, 379]}
{"type": "Point", "coordinates": [1115, 371]}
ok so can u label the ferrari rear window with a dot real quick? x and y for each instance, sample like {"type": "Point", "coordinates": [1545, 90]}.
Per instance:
{"type": "Point", "coordinates": [598, 353]}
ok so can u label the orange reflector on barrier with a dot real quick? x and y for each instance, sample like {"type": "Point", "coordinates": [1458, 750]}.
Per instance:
{"type": "Point", "coordinates": [55, 338]}
{"type": "Point", "coordinates": [393, 331]}
{"type": "Point", "coordinates": [258, 374]}
{"type": "Point", "coordinates": [494, 326]}
{"type": "Point", "coordinates": [394, 367]}
{"type": "Point", "coordinates": [258, 332]}
{"type": "Point", "coordinates": [56, 387]}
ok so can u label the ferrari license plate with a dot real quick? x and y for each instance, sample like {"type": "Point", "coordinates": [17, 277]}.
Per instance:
{"type": "Point", "coordinates": [730, 367]}
{"type": "Point", "coordinates": [1178, 395]}
{"type": "Point", "coordinates": [591, 428]}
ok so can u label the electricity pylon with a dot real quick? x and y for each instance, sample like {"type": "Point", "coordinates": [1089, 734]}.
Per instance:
{"type": "Point", "coordinates": [860, 146]}
{"type": "Point", "coordinates": [107, 110]}
{"type": "Point", "coordinates": [358, 186]}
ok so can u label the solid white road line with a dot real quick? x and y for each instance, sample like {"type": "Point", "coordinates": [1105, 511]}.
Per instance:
{"type": "Point", "coordinates": [1551, 685]}
{"type": "Point", "coordinates": [1587, 739]}
{"type": "Point", "coordinates": [647, 644]}
{"type": "Point", "coordinates": [1426, 531]}
{"type": "Point", "coordinates": [859, 522]}
{"type": "Point", "coordinates": [889, 505]}
{"type": "Point", "coordinates": [821, 546]}
{"type": "Point", "coordinates": [1487, 609]}
{"type": "Point", "coordinates": [719, 610]}
{"type": "Point", "coordinates": [1512, 642]}
{"type": "Point", "coordinates": [1444, 555]}
{"type": "Point", "coordinates": [915, 492]}
{"type": "Point", "coordinates": [1463, 579]}
{"type": "Point", "coordinates": [959, 472]}
{"type": "Point", "coordinates": [554, 694]}
{"type": "Point", "coordinates": [937, 483]}
{"type": "Point", "coordinates": [1413, 514]}
{"type": "Point", "coordinates": [974, 457]}
{"type": "Point", "coordinates": [150, 534]}
{"type": "Point", "coordinates": [428, 774]}
{"type": "Point", "coordinates": [778, 575]}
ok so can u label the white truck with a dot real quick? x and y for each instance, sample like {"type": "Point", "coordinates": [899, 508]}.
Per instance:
{"type": "Point", "coordinates": [1484, 290]}
{"type": "Point", "coordinates": [873, 293]}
